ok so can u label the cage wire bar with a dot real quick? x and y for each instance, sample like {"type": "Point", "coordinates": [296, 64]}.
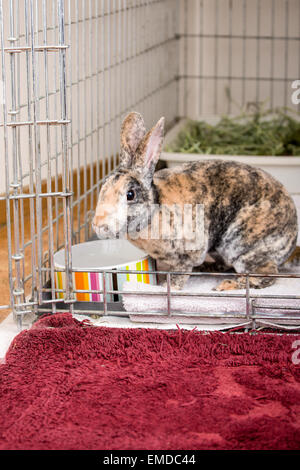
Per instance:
{"type": "Point", "coordinates": [72, 69]}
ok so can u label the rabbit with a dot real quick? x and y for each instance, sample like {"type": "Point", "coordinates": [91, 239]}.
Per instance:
{"type": "Point", "coordinates": [249, 219]}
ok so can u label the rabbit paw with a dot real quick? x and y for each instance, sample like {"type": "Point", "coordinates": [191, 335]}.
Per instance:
{"type": "Point", "coordinates": [228, 284]}
{"type": "Point", "coordinates": [254, 283]}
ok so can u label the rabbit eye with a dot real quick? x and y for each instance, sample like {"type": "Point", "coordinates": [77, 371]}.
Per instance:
{"type": "Point", "coordinates": [130, 195]}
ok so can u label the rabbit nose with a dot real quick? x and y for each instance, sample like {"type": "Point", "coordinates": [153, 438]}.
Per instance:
{"type": "Point", "coordinates": [99, 219]}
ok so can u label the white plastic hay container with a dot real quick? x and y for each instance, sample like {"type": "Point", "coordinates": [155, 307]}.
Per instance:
{"type": "Point", "coordinates": [103, 255]}
{"type": "Point", "coordinates": [285, 169]}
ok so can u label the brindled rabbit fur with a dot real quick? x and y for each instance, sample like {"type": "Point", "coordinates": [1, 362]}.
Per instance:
{"type": "Point", "coordinates": [249, 219]}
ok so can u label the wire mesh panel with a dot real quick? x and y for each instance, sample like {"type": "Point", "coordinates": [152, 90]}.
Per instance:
{"type": "Point", "coordinates": [71, 70]}
{"type": "Point", "coordinates": [34, 136]}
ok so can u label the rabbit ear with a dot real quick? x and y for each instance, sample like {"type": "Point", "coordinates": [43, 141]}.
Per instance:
{"type": "Point", "coordinates": [149, 149]}
{"type": "Point", "coordinates": [132, 131]}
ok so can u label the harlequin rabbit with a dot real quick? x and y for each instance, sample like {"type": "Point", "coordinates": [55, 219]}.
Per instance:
{"type": "Point", "coordinates": [250, 221]}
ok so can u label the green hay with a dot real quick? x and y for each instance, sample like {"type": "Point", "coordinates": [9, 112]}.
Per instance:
{"type": "Point", "coordinates": [259, 133]}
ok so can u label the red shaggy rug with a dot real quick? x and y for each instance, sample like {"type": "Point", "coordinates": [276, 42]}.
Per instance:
{"type": "Point", "coordinates": [68, 385]}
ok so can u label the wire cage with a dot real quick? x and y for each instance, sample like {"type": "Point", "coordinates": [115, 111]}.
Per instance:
{"type": "Point", "coordinates": [72, 69]}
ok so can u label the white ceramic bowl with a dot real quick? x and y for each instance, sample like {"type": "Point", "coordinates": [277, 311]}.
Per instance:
{"type": "Point", "coordinates": [103, 255]}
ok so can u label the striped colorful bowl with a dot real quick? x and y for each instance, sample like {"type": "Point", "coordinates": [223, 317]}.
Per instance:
{"type": "Point", "coordinates": [103, 255]}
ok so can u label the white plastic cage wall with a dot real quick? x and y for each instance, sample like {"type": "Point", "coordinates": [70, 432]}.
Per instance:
{"type": "Point", "coordinates": [72, 69]}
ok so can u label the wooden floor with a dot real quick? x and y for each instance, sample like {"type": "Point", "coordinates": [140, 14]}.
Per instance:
{"type": "Point", "coordinates": [4, 284]}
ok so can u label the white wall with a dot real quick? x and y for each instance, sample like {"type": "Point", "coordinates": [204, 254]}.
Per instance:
{"type": "Point", "coordinates": [251, 46]}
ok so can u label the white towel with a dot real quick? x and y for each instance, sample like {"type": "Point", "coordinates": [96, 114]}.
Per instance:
{"type": "Point", "coordinates": [145, 303]}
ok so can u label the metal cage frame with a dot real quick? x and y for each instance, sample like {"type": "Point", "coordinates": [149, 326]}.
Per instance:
{"type": "Point", "coordinates": [69, 114]}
